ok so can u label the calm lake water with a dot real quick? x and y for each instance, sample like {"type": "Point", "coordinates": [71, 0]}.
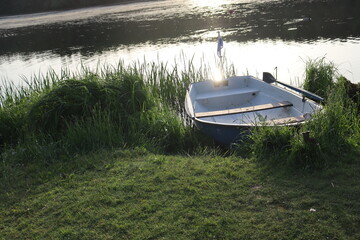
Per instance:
{"type": "Point", "coordinates": [259, 35]}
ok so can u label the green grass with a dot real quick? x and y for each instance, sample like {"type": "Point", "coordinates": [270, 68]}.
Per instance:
{"type": "Point", "coordinates": [111, 107]}
{"type": "Point", "coordinates": [110, 155]}
{"type": "Point", "coordinates": [134, 194]}
{"type": "Point", "coordinates": [319, 76]}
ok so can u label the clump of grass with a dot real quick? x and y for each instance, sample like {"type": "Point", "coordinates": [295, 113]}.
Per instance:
{"type": "Point", "coordinates": [72, 99]}
{"type": "Point", "coordinates": [271, 142]}
{"type": "Point", "coordinates": [319, 76]}
{"type": "Point", "coordinates": [15, 102]}
{"type": "Point", "coordinates": [333, 131]}
{"type": "Point", "coordinates": [112, 107]}
{"type": "Point", "coordinates": [93, 132]}
{"type": "Point", "coordinates": [12, 121]}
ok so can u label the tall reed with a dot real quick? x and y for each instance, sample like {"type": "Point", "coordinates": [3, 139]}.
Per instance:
{"type": "Point", "coordinates": [114, 106]}
{"type": "Point", "coordinates": [320, 76]}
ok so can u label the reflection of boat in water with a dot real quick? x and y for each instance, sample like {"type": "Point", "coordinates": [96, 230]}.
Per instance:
{"type": "Point", "coordinates": [227, 110]}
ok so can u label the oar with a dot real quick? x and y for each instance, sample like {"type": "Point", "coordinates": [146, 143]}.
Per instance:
{"type": "Point", "coordinates": [267, 77]}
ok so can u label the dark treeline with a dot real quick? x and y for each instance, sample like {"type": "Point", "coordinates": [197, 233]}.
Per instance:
{"type": "Point", "coordinates": [11, 7]}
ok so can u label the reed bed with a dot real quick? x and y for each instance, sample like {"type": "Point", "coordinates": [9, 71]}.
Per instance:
{"type": "Point", "coordinates": [142, 105]}
{"type": "Point", "coordinates": [114, 106]}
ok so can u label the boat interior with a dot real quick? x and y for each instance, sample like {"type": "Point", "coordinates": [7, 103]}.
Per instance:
{"type": "Point", "coordinates": [247, 101]}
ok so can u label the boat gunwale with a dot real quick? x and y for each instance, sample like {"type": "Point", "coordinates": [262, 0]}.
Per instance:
{"type": "Point", "coordinates": [269, 123]}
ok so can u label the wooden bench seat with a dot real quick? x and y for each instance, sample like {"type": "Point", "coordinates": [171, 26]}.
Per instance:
{"type": "Point", "coordinates": [243, 109]}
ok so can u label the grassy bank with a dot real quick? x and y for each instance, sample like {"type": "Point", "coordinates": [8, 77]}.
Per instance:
{"type": "Point", "coordinates": [111, 107]}
{"type": "Point", "coordinates": [109, 154]}
{"type": "Point", "coordinates": [139, 195]}
{"type": "Point", "coordinates": [57, 117]}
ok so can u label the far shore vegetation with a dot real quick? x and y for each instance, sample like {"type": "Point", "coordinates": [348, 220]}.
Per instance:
{"type": "Point", "coordinates": [110, 154]}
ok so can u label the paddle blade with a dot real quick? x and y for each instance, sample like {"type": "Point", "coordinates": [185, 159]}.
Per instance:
{"type": "Point", "coordinates": [268, 78]}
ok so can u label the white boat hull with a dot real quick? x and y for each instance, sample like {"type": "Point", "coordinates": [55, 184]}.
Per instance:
{"type": "Point", "coordinates": [227, 110]}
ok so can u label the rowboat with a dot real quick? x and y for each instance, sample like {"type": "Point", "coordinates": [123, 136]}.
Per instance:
{"type": "Point", "coordinates": [229, 109]}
